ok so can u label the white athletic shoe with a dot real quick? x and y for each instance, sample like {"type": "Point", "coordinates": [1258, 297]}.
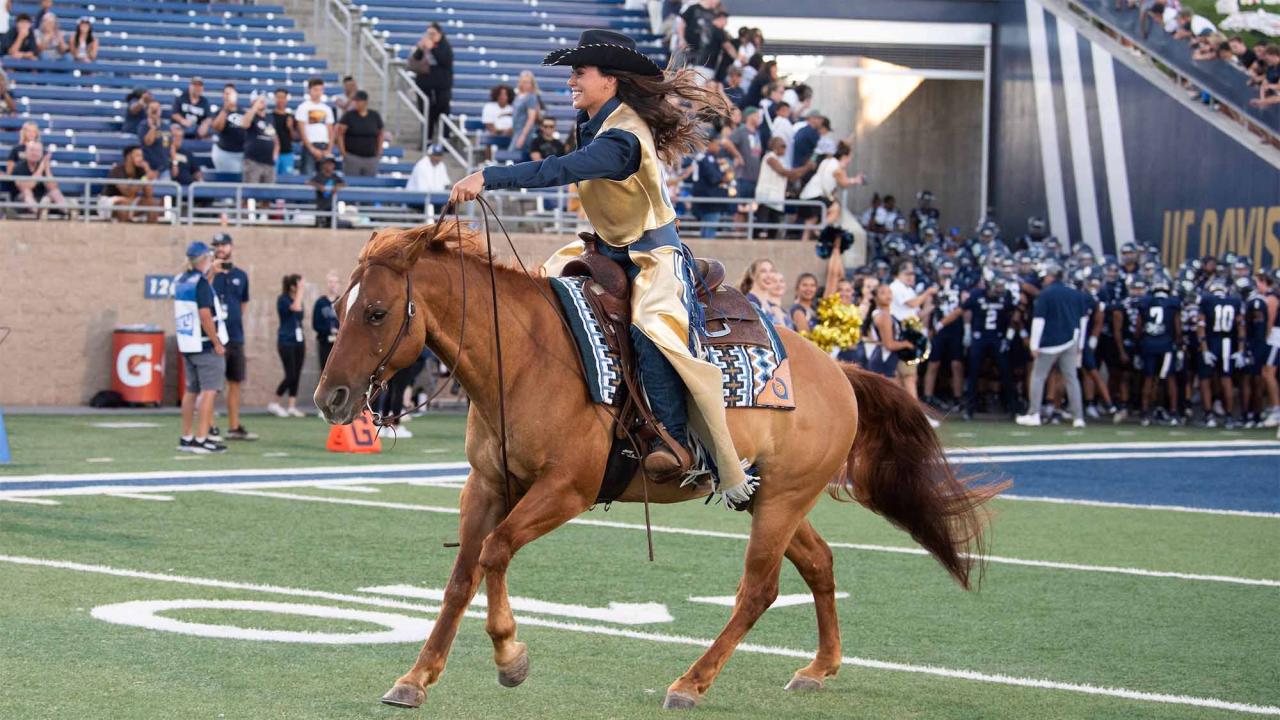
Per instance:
{"type": "Point", "coordinates": [1272, 418]}
{"type": "Point", "coordinates": [1092, 412]}
{"type": "Point", "coordinates": [1079, 423]}
{"type": "Point", "coordinates": [275, 409]}
{"type": "Point", "coordinates": [387, 432]}
{"type": "Point", "coordinates": [294, 412]}
{"type": "Point", "coordinates": [1030, 420]}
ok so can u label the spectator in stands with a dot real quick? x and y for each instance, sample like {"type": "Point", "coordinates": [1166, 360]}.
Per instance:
{"type": "Point", "coordinates": [526, 111]}
{"type": "Point", "coordinates": [51, 41]}
{"type": "Point", "coordinates": [546, 144]}
{"type": "Point", "coordinates": [344, 102]}
{"type": "Point", "coordinates": [804, 311]}
{"type": "Point", "coordinates": [118, 199]}
{"type": "Point", "coordinates": [20, 42]}
{"type": "Point", "coordinates": [696, 21]}
{"type": "Point", "coordinates": [45, 7]}
{"type": "Point", "coordinates": [830, 176]}
{"type": "Point", "coordinates": [315, 123]}
{"type": "Point", "coordinates": [6, 6]}
{"type": "Point", "coordinates": [327, 182]}
{"type": "Point", "coordinates": [290, 344]}
{"type": "Point", "coordinates": [780, 125]}
{"type": "Point", "coordinates": [798, 96]}
{"type": "Point", "coordinates": [1258, 70]}
{"type": "Point", "coordinates": [191, 114]}
{"type": "Point", "coordinates": [155, 143]}
{"type": "Point", "coordinates": [360, 133]}
{"type": "Point", "coordinates": [1191, 25]}
{"type": "Point", "coordinates": [324, 318]}
{"type": "Point", "coordinates": [262, 145]}
{"type": "Point", "coordinates": [497, 116]}
{"type": "Point", "coordinates": [286, 132]}
{"type": "Point", "coordinates": [733, 88]}
{"type": "Point", "coordinates": [8, 106]}
{"type": "Point", "coordinates": [181, 169]}
{"type": "Point", "coordinates": [806, 138]}
{"type": "Point", "coordinates": [35, 164]}
{"type": "Point", "coordinates": [886, 215]}
{"type": "Point", "coordinates": [135, 110]}
{"type": "Point", "coordinates": [746, 139]}
{"type": "Point", "coordinates": [768, 74]}
{"type": "Point", "coordinates": [29, 132]}
{"type": "Point", "coordinates": [709, 182]}
{"type": "Point", "coordinates": [84, 45]}
{"type": "Point", "coordinates": [1057, 341]}
{"type": "Point", "coordinates": [1269, 90]}
{"type": "Point", "coordinates": [430, 174]}
{"type": "Point", "coordinates": [771, 188]}
{"type": "Point", "coordinates": [228, 150]}
{"type": "Point", "coordinates": [432, 65]}
{"type": "Point", "coordinates": [716, 57]}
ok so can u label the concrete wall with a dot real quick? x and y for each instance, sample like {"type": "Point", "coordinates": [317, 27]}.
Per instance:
{"type": "Point", "coordinates": [65, 286]}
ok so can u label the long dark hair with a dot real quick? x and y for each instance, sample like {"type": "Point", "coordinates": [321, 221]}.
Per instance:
{"type": "Point", "coordinates": [288, 283]}
{"type": "Point", "coordinates": [88, 37]}
{"type": "Point", "coordinates": [677, 127]}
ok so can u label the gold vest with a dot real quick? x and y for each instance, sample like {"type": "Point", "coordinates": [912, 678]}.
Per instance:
{"type": "Point", "coordinates": [622, 210]}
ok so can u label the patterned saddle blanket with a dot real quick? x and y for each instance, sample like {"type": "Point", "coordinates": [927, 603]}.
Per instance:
{"type": "Point", "coordinates": [752, 360]}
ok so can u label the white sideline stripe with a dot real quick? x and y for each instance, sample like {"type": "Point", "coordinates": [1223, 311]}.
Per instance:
{"type": "Point", "coordinates": [673, 639]}
{"type": "Point", "coordinates": [107, 489]}
{"type": "Point", "coordinates": [780, 602]}
{"type": "Point", "coordinates": [1041, 457]}
{"type": "Point", "coordinates": [1058, 447]}
{"type": "Point", "coordinates": [283, 472]}
{"type": "Point", "coordinates": [142, 496]}
{"type": "Point", "coordinates": [1049, 564]}
{"type": "Point", "coordinates": [1078, 137]}
{"type": "Point", "coordinates": [1046, 119]}
{"type": "Point", "coordinates": [30, 501]}
{"type": "Point", "coordinates": [350, 488]}
{"type": "Point", "coordinates": [1138, 506]}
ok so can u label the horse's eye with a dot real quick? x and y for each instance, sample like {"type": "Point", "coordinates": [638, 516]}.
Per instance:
{"type": "Point", "coordinates": [377, 315]}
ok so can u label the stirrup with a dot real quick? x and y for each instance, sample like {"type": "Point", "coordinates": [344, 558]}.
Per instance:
{"type": "Point", "coordinates": [664, 464]}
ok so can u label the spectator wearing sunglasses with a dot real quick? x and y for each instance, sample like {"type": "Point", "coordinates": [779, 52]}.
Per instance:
{"type": "Point", "coordinates": [546, 144]}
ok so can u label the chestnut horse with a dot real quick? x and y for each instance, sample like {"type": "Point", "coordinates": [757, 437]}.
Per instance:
{"type": "Point", "coordinates": [558, 439]}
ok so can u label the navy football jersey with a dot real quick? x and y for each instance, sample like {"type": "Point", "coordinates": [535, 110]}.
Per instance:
{"type": "Point", "coordinates": [1132, 316]}
{"type": "Point", "coordinates": [945, 301]}
{"type": "Point", "coordinates": [1220, 314]}
{"type": "Point", "coordinates": [990, 317]}
{"type": "Point", "coordinates": [1255, 319]}
{"type": "Point", "coordinates": [1192, 321]}
{"type": "Point", "coordinates": [1158, 313]}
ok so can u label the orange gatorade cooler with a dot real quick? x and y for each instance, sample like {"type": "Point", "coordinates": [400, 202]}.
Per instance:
{"type": "Point", "coordinates": [137, 368]}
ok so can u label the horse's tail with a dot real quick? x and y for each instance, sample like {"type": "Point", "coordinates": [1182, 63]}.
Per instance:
{"type": "Point", "coordinates": [897, 469]}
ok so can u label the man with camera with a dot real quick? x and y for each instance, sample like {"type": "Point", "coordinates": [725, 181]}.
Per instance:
{"type": "Point", "coordinates": [232, 287]}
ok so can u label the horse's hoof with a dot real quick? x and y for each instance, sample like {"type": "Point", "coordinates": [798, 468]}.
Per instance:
{"type": "Point", "coordinates": [405, 696]}
{"type": "Point", "coordinates": [514, 672]}
{"type": "Point", "coordinates": [803, 683]}
{"type": "Point", "coordinates": [677, 700]}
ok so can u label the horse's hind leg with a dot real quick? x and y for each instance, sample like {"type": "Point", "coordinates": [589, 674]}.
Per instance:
{"type": "Point", "coordinates": [481, 511]}
{"type": "Point", "coordinates": [773, 522]}
{"type": "Point", "coordinates": [550, 503]}
{"type": "Point", "coordinates": [812, 557]}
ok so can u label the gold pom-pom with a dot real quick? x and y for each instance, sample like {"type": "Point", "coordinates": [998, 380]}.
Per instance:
{"type": "Point", "coordinates": [839, 325]}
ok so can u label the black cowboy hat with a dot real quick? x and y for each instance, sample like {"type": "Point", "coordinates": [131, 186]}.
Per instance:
{"type": "Point", "coordinates": [605, 49]}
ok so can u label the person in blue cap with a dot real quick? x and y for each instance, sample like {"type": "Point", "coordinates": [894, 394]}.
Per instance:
{"type": "Point", "coordinates": [202, 337]}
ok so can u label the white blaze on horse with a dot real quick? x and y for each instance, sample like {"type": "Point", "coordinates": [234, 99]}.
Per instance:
{"type": "Point", "coordinates": [856, 431]}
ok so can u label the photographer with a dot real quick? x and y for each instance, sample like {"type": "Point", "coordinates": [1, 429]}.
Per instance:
{"type": "Point", "coordinates": [324, 318]}
{"type": "Point", "coordinates": [232, 286]}
{"type": "Point", "coordinates": [228, 151]}
{"type": "Point", "coordinates": [155, 143]}
{"type": "Point", "coordinates": [191, 114]}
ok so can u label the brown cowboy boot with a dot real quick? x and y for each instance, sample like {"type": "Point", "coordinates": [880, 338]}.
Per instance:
{"type": "Point", "coordinates": [667, 460]}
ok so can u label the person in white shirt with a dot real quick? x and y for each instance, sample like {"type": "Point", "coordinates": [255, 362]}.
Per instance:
{"type": "Point", "coordinates": [429, 174]}
{"type": "Point", "coordinates": [497, 115]}
{"type": "Point", "coordinates": [907, 303]}
{"type": "Point", "coordinates": [782, 127]}
{"type": "Point", "coordinates": [316, 121]}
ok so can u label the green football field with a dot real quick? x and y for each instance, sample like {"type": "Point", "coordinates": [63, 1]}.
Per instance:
{"type": "Point", "coordinates": [1103, 610]}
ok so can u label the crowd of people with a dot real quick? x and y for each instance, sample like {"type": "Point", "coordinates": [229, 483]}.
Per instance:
{"type": "Point", "coordinates": [1259, 65]}
{"type": "Point", "coordinates": [1017, 324]}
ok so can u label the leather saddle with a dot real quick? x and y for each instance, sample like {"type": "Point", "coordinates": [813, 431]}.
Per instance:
{"type": "Point", "coordinates": [731, 319]}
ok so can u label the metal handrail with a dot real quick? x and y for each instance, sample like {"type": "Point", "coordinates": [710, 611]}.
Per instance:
{"type": "Point", "coordinates": [467, 156]}
{"type": "Point", "coordinates": [84, 203]}
{"type": "Point", "coordinates": [343, 25]}
{"type": "Point", "coordinates": [411, 102]}
{"type": "Point", "coordinates": [374, 50]}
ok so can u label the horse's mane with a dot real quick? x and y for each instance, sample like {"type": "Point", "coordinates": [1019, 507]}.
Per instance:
{"type": "Point", "coordinates": [400, 249]}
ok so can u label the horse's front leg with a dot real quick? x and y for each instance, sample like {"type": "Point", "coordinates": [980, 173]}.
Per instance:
{"type": "Point", "coordinates": [551, 502]}
{"type": "Point", "coordinates": [482, 509]}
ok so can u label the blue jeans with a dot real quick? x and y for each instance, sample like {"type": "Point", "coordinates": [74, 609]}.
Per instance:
{"type": "Point", "coordinates": [662, 384]}
{"type": "Point", "coordinates": [708, 218]}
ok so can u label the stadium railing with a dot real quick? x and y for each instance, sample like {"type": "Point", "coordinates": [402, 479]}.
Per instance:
{"type": "Point", "coordinates": [81, 195]}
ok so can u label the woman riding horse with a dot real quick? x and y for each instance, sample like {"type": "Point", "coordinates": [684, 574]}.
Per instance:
{"type": "Point", "coordinates": [632, 118]}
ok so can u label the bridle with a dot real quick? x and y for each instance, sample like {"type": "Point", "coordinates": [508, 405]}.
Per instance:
{"type": "Point", "coordinates": [376, 385]}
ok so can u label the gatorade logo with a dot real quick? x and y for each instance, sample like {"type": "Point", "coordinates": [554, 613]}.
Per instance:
{"type": "Point", "coordinates": [133, 365]}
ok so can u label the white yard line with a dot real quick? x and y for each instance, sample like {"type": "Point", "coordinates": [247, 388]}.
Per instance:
{"type": "Point", "coordinates": [142, 496]}
{"type": "Point", "coordinates": [107, 488]}
{"type": "Point", "coordinates": [350, 488]}
{"type": "Point", "coordinates": [609, 631]}
{"type": "Point", "coordinates": [661, 529]}
{"type": "Point", "coordinates": [30, 501]}
{"type": "Point", "coordinates": [1139, 506]}
{"type": "Point", "coordinates": [1158, 454]}
{"type": "Point", "coordinates": [1155, 445]}
{"type": "Point", "coordinates": [283, 472]}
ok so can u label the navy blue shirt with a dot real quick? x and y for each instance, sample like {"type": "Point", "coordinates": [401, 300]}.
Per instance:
{"type": "Point", "coordinates": [1158, 313]}
{"type": "Point", "coordinates": [613, 154]}
{"type": "Point", "coordinates": [324, 319]}
{"type": "Point", "coordinates": [290, 322]}
{"type": "Point", "coordinates": [990, 316]}
{"type": "Point", "coordinates": [157, 153]}
{"type": "Point", "coordinates": [232, 287]}
{"type": "Point", "coordinates": [1220, 315]}
{"type": "Point", "coordinates": [803, 144]}
{"type": "Point", "coordinates": [231, 136]}
{"type": "Point", "coordinates": [707, 184]}
{"type": "Point", "coordinates": [194, 110]}
{"type": "Point", "coordinates": [1062, 308]}
{"type": "Point", "coordinates": [260, 145]}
